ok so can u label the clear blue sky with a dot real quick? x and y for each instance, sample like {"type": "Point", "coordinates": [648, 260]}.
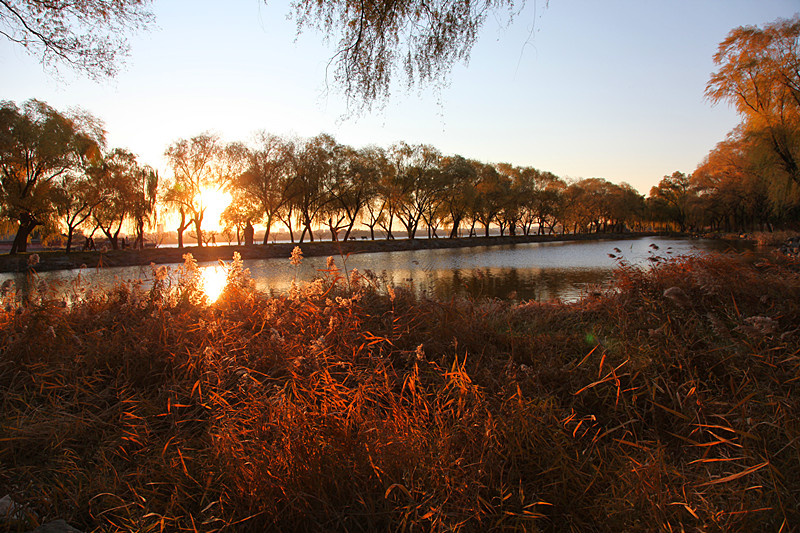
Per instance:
{"type": "Point", "coordinates": [582, 88]}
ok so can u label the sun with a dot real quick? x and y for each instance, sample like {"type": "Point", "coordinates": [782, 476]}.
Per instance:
{"type": "Point", "coordinates": [215, 201]}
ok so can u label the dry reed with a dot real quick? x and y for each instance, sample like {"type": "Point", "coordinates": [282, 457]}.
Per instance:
{"type": "Point", "coordinates": [667, 403]}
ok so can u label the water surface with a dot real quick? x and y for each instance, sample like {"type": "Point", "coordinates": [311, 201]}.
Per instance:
{"type": "Point", "coordinates": [539, 271]}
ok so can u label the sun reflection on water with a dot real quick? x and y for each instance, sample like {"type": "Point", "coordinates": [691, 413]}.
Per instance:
{"type": "Point", "coordinates": [214, 281]}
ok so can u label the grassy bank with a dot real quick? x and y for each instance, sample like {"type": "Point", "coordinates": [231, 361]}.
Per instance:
{"type": "Point", "coordinates": [667, 404]}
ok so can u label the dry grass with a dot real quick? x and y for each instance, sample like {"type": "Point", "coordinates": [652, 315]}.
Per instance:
{"type": "Point", "coordinates": [773, 238]}
{"type": "Point", "coordinates": [667, 404]}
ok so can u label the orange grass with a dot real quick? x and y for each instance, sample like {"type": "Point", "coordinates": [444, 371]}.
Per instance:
{"type": "Point", "coordinates": [668, 403]}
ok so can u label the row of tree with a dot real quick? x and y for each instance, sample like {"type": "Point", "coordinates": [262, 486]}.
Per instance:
{"type": "Point", "coordinates": [317, 182]}
{"type": "Point", "coordinates": [57, 176]}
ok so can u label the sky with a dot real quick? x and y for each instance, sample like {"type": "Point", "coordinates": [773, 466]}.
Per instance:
{"type": "Point", "coordinates": [582, 88]}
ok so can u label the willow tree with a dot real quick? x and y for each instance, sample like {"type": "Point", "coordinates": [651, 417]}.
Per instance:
{"type": "Point", "coordinates": [491, 189]}
{"type": "Point", "coordinates": [145, 195]}
{"type": "Point", "coordinates": [759, 74]}
{"type": "Point", "coordinates": [311, 166]}
{"type": "Point", "coordinates": [75, 198]}
{"type": "Point", "coordinates": [260, 188]}
{"type": "Point", "coordinates": [418, 180]}
{"type": "Point", "coordinates": [353, 185]}
{"type": "Point", "coordinates": [39, 146]}
{"type": "Point", "coordinates": [118, 179]}
{"type": "Point", "coordinates": [671, 199]}
{"type": "Point", "coordinates": [739, 188]}
{"type": "Point", "coordinates": [86, 35]}
{"type": "Point", "coordinates": [194, 164]}
{"type": "Point", "coordinates": [459, 192]}
{"type": "Point", "coordinates": [378, 39]}
{"type": "Point", "coordinates": [378, 208]}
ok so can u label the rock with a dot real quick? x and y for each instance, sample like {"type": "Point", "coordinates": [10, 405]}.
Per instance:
{"type": "Point", "coordinates": [10, 510]}
{"type": "Point", "coordinates": [791, 247]}
{"type": "Point", "coordinates": [56, 526]}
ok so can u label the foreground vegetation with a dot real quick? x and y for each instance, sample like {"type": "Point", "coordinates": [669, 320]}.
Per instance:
{"type": "Point", "coordinates": [668, 403]}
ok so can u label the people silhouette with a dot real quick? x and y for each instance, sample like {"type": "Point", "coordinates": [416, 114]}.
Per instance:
{"type": "Point", "coordinates": [249, 233]}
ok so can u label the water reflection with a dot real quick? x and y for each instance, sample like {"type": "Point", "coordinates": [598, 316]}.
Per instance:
{"type": "Point", "coordinates": [213, 281]}
{"type": "Point", "coordinates": [516, 284]}
{"type": "Point", "coordinates": [539, 271]}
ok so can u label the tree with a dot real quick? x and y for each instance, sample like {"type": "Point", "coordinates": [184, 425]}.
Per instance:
{"type": "Point", "coordinates": [312, 165]}
{"type": "Point", "coordinates": [579, 208]}
{"type": "Point", "coordinates": [514, 192]}
{"type": "Point", "coordinates": [352, 187]}
{"type": "Point", "coordinates": [75, 197]}
{"type": "Point", "coordinates": [416, 182]}
{"type": "Point", "coordinates": [671, 197]}
{"type": "Point", "coordinates": [460, 193]}
{"type": "Point", "coordinates": [117, 177]}
{"type": "Point", "coordinates": [759, 73]}
{"type": "Point", "coordinates": [377, 39]}
{"type": "Point", "coordinates": [626, 207]}
{"type": "Point", "coordinates": [491, 190]}
{"type": "Point", "coordinates": [237, 214]}
{"type": "Point", "coordinates": [145, 195]}
{"type": "Point", "coordinates": [740, 187]}
{"type": "Point", "coordinates": [38, 146]}
{"type": "Point", "coordinates": [194, 166]}
{"type": "Point", "coordinates": [263, 182]}
{"type": "Point", "coordinates": [544, 200]}
{"type": "Point", "coordinates": [86, 35]}
{"type": "Point", "coordinates": [377, 207]}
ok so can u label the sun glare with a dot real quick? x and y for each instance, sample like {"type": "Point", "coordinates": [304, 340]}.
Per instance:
{"type": "Point", "coordinates": [214, 281]}
{"type": "Point", "coordinates": [215, 202]}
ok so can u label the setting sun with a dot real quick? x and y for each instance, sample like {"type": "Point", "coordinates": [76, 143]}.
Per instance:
{"type": "Point", "coordinates": [215, 201]}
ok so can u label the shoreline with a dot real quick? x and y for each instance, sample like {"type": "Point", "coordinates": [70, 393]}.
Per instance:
{"type": "Point", "coordinates": [60, 260]}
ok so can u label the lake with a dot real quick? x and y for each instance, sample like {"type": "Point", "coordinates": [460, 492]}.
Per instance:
{"type": "Point", "coordinates": [538, 271]}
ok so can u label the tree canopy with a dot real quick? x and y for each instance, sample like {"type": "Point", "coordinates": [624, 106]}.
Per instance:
{"type": "Point", "coordinates": [759, 74]}
{"type": "Point", "coordinates": [377, 39]}
{"type": "Point", "coordinates": [87, 35]}
{"type": "Point", "coordinates": [38, 147]}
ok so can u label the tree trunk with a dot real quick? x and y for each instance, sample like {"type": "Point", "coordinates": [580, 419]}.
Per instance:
{"type": "Point", "coordinates": [138, 244]}
{"type": "Point", "coordinates": [182, 227]}
{"type": "Point", "coordinates": [456, 224]}
{"type": "Point", "coordinates": [70, 232]}
{"type": "Point", "coordinates": [199, 231]}
{"type": "Point", "coordinates": [26, 225]}
{"type": "Point", "coordinates": [349, 230]}
{"type": "Point", "coordinates": [112, 237]}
